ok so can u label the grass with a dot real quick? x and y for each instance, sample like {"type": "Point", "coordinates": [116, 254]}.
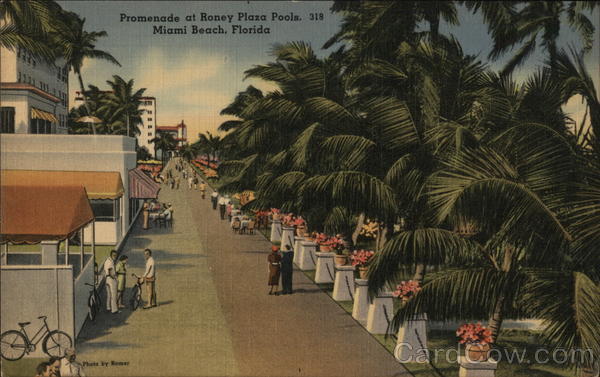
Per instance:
{"type": "Point", "coordinates": [102, 251]}
{"type": "Point", "coordinates": [24, 367]}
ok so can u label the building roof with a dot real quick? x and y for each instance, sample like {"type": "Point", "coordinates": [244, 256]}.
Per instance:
{"type": "Point", "coordinates": [30, 88]}
{"type": "Point", "coordinates": [98, 185]}
{"type": "Point", "coordinates": [171, 128]}
{"type": "Point", "coordinates": [31, 214]}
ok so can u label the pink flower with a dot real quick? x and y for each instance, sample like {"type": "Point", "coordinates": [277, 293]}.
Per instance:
{"type": "Point", "coordinates": [474, 333]}
{"type": "Point", "coordinates": [407, 289]}
{"type": "Point", "coordinates": [361, 257]}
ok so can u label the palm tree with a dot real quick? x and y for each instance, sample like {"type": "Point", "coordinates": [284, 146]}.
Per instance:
{"type": "Point", "coordinates": [535, 22]}
{"type": "Point", "coordinates": [164, 142]}
{"type": "Point", "coordinates": [78, 44]}
{"type": "Point", "coordinates": [26, 25]}
{"type": "Point", "coordinates": [211, 144]}
{"type": "Point", "coordinates": [122, 105]}
{"type": "Point", "coordinates": [188, 152]}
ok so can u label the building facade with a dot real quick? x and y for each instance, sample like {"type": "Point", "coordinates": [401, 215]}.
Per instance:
{"type": "Point", "coordinates": [148, 127]}
{"type": "Point", "coordinates": [179, 132]}
{"type": "Point", "coordinates": [33, 94]}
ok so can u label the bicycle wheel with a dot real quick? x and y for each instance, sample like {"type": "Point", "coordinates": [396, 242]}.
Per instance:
{"type": "Point", "coordinates": [13, 345]}
{"type": "Point", "coordinates": [135, 298]}
{"type": "Point", "coordinates": [56, 343]}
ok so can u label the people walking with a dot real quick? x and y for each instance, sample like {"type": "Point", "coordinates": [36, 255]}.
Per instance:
{"type": "Point", "coordinates": [287, 269]}
{"type": "Point", "coordinates": [228, 208]}
{"type": "Point", "coordinates": [121, 269]}
{"type": "Point", "coordinates": [274, 260]}
{"type": "Point", "coordinates": [150, 280]}
{"type": "Point", "coordinates": [222, 207]}
{"type": "Point", "coordinates": [203, 189]}
{"type": "Point", "coordinates": [190, 182]}
{"type": "Point", "coordinates": [111, 282]}
{"type": "Point", "coordinates": [214, 197]}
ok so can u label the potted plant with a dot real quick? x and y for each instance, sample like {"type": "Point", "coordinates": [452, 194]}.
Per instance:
{"type": "Point", "coordinates": [341, 254]}
{"type": "Point", "coordinates": [361, 258]}
{"type": "Point", "coordinates": [275, 214]}
{"type": "Point", "coordinates": [322, 240]}
{"type": "Point", "coordinates": [477, 339]}
{"type": "Point", "coordinates": [406, 290]}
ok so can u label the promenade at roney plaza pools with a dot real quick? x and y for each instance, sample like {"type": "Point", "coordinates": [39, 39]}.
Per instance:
{"type": "Point", "coordinates": [214, 316]}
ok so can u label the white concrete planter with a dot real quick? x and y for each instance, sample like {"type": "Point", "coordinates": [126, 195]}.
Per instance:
{"type": "Point", "coordinates": [412, 341]}
{"type": "Point", "coordinates": [307, 259]}
{"type": "Point", "coordinates": [325, 270]}
{"type": "Point", "coordinates": [297, 249]}
{"type": "Point", "coordinates": [360, 309]}
{"type": "Point", "coordinates": [343, 287]}
{"type": "Point", "coordinates": [381, 312]}
{"type": "Point", "coordinates": [477, 368]}
{"type": "Point", "coordinates": [287, 237]}
{"type": "Point", "coordinates": [275, 231]}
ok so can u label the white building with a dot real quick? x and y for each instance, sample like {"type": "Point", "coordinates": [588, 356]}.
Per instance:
{"type": "Point", "coordinates": [148, 127]}
{"type": "Point", "coordinates": [33, 94]}
{"type": "Point", "coordinates": [80, 153]}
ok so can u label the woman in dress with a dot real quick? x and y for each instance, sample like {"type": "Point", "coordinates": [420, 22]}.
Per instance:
{"type": "Point", "coordinates": [121, 269]}
{"type": "Point", "coordinates": [274, 268]}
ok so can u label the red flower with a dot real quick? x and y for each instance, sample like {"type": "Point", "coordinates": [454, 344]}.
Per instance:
{"type": "Point", "coordinates": [407, 289]}
{"type": "Point", "coordinates": [474, 333]}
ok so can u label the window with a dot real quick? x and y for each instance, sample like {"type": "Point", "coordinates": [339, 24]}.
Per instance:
{"type": "Point", "coordinates": [7, 120]}
{"type": "Point", "coordinates": [106, 210]}
{"type": "Point", "coordinates": [149, 119]}
{"type": "Point", "coordinates": [149, 126]}
{"type": "Point", "coordinates": [149, 111]}
{"type": "Point", "coordinates": [19, 77]}
{"type": "Point", "coordinates": [40, 126]}
{"type": "Point", "coordinates": [150, 134]}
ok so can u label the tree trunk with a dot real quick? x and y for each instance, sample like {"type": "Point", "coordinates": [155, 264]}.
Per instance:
{"type": "Point", "coordinates": [495, 323]}
{"type": "Point", "coordinates": [127, 115]}
{"type": "Point", "coordinates": [420, 272]}
{"type": "Point", "coordinates": [359, 225]}
{"type": "Point", "coordinates": [85, 103]}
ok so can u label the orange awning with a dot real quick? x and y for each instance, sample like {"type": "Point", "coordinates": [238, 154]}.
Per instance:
{"type": "Point", "coordinates": [44, 115]}
{"type": "Point", "coordinates": [98, 185]}
{"type": "Point", "coordinates": [31, 214]}
{"type": "Point", "coordinates": [141, 186]}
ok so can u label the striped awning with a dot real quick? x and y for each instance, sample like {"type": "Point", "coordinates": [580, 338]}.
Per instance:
{"type": "Point", "coordinates": [141, 186]}
{"type": "Point", "coordinates": [44, 115]}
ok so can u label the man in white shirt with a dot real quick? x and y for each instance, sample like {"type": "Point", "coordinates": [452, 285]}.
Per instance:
{"type": "Point", "coordinates": [222, 206]}
{"type": "Point", "coordinates": [69, 367]}
{"type": "Point", "coordinates": [214, 197]}
{"type": "Point", "coordinates": [111, 282]}
{"type": "Point", "coordinates": [150, 279]}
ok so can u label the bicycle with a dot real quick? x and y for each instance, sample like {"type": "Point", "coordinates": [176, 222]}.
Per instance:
{"type": "Point", "coordinates": [15, 343]}
{"type": "Point", "coordinates": [136, 295]}
{"type": "Point", "coordinates": [94, 302]}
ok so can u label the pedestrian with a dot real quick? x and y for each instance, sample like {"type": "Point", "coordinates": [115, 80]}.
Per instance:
{"type": "Point", "coordinates": [190, 182]}
{"type": "Point", "coordinates": [146, 214]}
{"type": "Point", "coordinates": [43, 370]}
{"type": "Point", "coordinates": [69, 367]}
{"type": "Point", "coordinates": [195, 181]}
{"type": "Point", "coordinates": [214, 197]}
{"type": "Point", "coordinates": [203, 189]}
{"type": "Point", "coordinates": [150, 280]}
{"type": "Point", "coordinates": [222, 207]}
{"type": "Point", "coordinates": [111, 282]}
{"type": "Point", "coordinates": [54, 366]}
{"type": "Point", "coordinates": [274, 260]}
{"type": "Point", "coordinates": [121, 279]}
{"type": "Point", "coordinates": [178, 181]}
{"type": "Point", "coordinates": [228, 208]}
{"type": "Point", "coordinates": [287, 268]}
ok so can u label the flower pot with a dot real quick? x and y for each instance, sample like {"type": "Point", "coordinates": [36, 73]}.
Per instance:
{"type": "Point", "coordinates": [362, 271]}
{"type": "Point", "coordinates": [477, 352]}
{"type": "Point", "coordinates": [301, 231]}
{"type": "Point", "coordinates": [324, 248]}
{"type": "Point", "coordinates": [341, 260]}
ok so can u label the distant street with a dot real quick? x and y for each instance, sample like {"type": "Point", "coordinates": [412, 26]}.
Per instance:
{"type": "Point", "coordinates": [214, 316]}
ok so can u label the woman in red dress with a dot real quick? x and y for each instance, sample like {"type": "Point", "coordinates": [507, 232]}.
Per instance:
{"type": "Point", "coordinates": [274, 268]}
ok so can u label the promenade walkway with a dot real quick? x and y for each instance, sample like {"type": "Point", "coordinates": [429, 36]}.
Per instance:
{"type": "Point", "coordinates": [214, 316]}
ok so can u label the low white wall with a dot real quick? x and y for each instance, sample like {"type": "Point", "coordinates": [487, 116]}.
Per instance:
{"type": "Point", "coordinates": [82, 293]}
{"type": "Point", "coordinates": [525, 324]}
{"type": "Point", "coordinates": [31, 291]}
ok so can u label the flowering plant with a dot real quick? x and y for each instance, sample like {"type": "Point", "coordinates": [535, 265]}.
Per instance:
{"type": "Point", "coordinates": [319, 238]}
{"type": "Point", "coordinates": [336, 243]}
{"type": "Point", "coordinates": [407, 289]}
{"type": "Point", "coordinates": [370, 229]}
{"type": "Point", "coordinates": [361, 257]}
{"type": "Point", "coordinates": [275, 211]}
{"type": "Point", "coordinates": [474, 333]}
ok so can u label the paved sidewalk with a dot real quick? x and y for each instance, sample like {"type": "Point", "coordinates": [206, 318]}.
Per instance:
{"type": "Point", "coordinates": [304, 334]}
{"type": "Point", "coordinates": [214, 316]}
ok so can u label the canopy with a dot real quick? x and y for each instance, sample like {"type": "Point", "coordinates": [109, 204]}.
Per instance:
{"type": "Point", "coordinates": [31, 214]}
{"type": "Point", "coordinates": [98, 185]}
{"type": "Point", "coordinates": [141, 186]}
{"type": "Point", "coordinates": [44, 115]}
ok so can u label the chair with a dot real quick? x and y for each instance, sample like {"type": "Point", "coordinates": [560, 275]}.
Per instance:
{"type": "Point", "coordinates": [235, 226]}
{"type": "Point", "coordinates": [250, 227]}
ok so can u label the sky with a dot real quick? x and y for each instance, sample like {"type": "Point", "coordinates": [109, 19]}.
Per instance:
{"type": "Point", "coordinates": [194, 76]}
